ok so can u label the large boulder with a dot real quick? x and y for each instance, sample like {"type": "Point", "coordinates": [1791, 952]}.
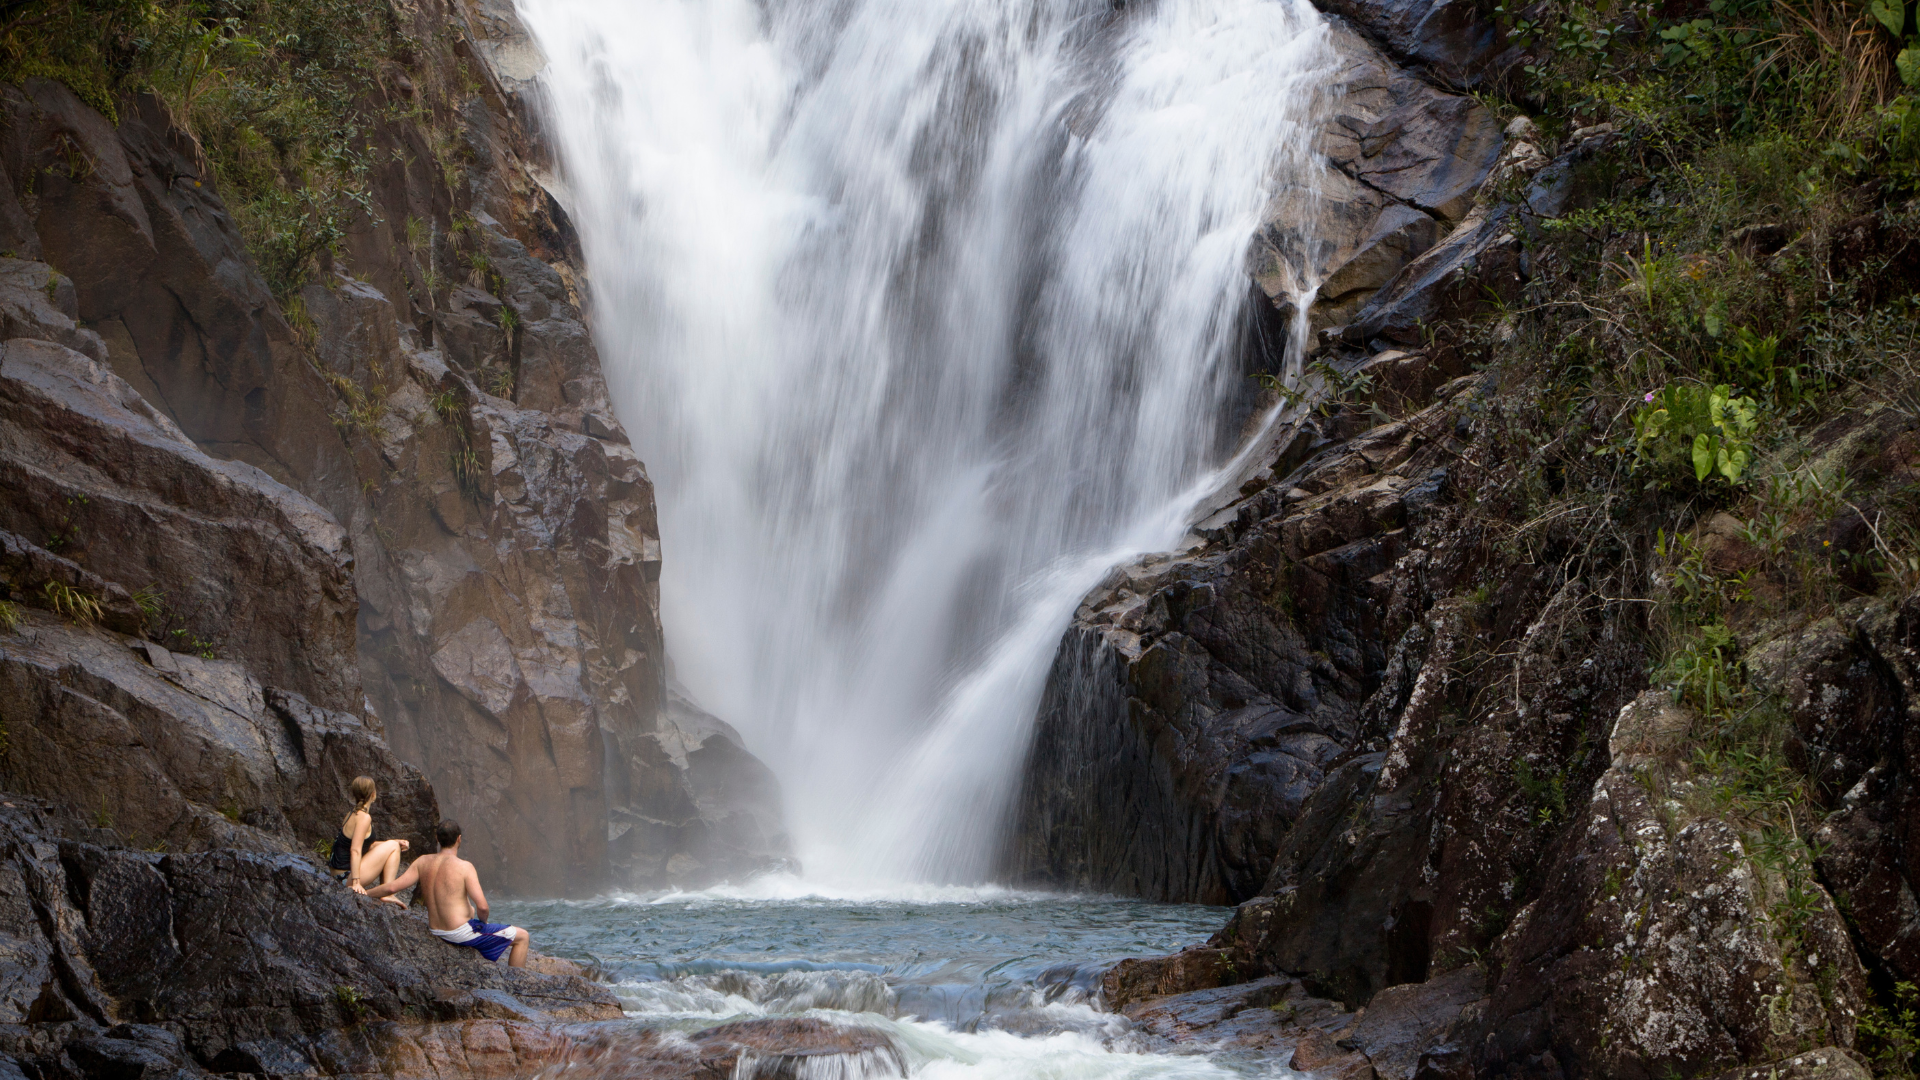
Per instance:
{"type": "Point", "coordinates": [229, 961]}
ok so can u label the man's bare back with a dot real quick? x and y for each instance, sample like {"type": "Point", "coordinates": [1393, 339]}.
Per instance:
{"type": "Point", "coordinates": [446, 882]}
{"type": "Point", "coordinates": [456, 905]}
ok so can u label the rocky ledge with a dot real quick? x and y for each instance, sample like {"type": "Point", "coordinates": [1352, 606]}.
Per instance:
{"type": "Point", "coordinates": [118, 961]}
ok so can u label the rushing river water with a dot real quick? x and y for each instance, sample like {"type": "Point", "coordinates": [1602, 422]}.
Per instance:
{"type": "Point", "coordinates": [970, 983]}
{"type": "Point", "coordinates": [922, 313]}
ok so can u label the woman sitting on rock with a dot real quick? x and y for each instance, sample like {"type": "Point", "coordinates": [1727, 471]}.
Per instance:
{"type": "Point", "coordinates": [356, 857]}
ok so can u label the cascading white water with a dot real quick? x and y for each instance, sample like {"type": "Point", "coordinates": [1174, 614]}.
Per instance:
{"type": "Point", "coordinates": [922, 314]}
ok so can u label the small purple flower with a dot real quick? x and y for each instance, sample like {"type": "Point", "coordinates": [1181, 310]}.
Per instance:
{"type": "Point", "coordinates": [1649, 395]}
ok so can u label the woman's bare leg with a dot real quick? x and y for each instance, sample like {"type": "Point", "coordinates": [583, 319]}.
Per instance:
{"type": "Point", "coordinates": [386, 856]}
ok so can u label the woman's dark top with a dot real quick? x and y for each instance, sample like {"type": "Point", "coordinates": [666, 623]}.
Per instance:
{"type": "Point", "coordinates": [342, 858]}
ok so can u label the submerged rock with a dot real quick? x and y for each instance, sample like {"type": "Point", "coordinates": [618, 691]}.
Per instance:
{"type": "Point", "coordinates": [774, 1048]}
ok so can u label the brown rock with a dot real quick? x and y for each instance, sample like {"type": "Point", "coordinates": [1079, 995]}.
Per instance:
{"type": "Point", "coordinates": [98, 473]}
{"type": "Point", "coordinates": [1319, 1052]}
{"type": "Point", "coordinates": [1135, 980]}
{"type": "Point", "coordinates": [1416, 1029]}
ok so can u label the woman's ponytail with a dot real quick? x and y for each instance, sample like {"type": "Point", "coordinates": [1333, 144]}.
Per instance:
{"type": "Point", "coordinates": [363, 792]}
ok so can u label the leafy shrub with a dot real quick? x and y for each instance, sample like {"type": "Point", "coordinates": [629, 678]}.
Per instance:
{"type": "Point", "coordinates": [1707, 427]}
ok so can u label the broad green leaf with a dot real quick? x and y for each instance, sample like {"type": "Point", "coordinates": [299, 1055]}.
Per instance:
{"type": "Point", "coordinates": [1702, 456]}
{"type": "Point", "coordinates": [1891, 13]}
{"type": "Point", "coordinates": [1714, 321]}
{"type": "Point", "coordinates": [1736, 466]}
{"type": "Point", "coordinates": [1909, 64]}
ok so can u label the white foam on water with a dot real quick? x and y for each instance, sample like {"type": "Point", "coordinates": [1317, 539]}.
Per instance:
{"type": "Point", "coordinates": [786, 887]}
{"type": "Point", "coordinates": [922, 313]}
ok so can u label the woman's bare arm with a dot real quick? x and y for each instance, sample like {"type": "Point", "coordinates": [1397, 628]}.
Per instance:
{"type": "Point", "coordinates": [357, 839]}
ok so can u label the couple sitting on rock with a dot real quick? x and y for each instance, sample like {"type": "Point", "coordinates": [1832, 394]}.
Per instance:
{"type": "Point", "coordinates": [448, 882]}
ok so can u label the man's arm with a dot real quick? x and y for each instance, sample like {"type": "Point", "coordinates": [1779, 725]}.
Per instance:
{"type": "Point", "coordinates": [403, 881]}
{"type": "Point", "coordinates": [475, 894]}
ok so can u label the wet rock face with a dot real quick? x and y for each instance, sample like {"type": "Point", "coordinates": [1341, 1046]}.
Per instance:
{"type": "Point", "coordinates": [1450, 40]}
{"type": "Point", "coordinates": [130, 539]}
{"type": "Point", "coordinates": [227, 961]}
{"type": "Point", "coordinates": [1209, 696]}
{"type": "Point", "coordinates": [1408, 1032]}
{"type": "Point", "coordinates": [1405, 160]}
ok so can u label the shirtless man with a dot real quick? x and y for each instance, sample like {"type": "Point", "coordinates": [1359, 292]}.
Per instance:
{"type": "Point", "coordinates": [449, 883]}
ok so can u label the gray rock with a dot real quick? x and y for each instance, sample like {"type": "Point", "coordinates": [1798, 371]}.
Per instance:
{"type": "Point", "coordinates": [1453, 39]}
{"type": "Point", "coordinates": [175, 751]}
{"type": "Point", "coordinates": [229, 961]}
{"type": "Point", "coordinates": [97, 472]}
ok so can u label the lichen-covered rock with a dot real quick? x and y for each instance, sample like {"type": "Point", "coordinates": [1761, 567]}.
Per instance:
{"type": "Point", "coordinates": [1677, 944]}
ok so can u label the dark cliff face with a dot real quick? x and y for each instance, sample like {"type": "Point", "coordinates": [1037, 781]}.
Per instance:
{"type": "Point", "coordinates": [396, 498]}
{"type": "Point", "coordinates": [1558, 764]}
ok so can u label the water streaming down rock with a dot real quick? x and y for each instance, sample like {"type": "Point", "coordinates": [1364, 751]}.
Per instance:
{"type": "Point", "coordinates": [924, 312]}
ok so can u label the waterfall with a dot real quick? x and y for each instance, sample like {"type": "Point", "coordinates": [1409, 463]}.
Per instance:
{"type": "Point", "coordinates": [923, 313]}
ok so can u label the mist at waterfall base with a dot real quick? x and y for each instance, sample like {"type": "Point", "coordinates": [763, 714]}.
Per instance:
{"type": "Point", "coordinates": [923, 314]}
{"type": "Point", "coordinates": [970, 983]}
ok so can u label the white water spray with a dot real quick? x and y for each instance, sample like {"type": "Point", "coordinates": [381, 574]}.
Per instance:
{"type": "Point", "coordinates": [923, 314]}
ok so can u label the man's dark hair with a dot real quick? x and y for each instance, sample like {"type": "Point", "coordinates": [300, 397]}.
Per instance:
{"type": "Point", "coordinates": [447, 832]}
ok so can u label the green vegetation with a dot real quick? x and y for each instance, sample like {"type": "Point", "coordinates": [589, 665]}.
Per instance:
{"type": "Point", "coordinates": [1701, 384]}
{"type": "Point", "coordinates": [73, 604]}
{"type": "Point", "coordinates": [151, 601]}
{"type": "Point", "coordinates": [282, 97]}
{"type": "Point", "coordinates": [187, 641]}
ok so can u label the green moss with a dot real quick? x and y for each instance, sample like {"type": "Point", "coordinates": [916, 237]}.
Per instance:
{"type": "Point", "coordinates": [280, 96]}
